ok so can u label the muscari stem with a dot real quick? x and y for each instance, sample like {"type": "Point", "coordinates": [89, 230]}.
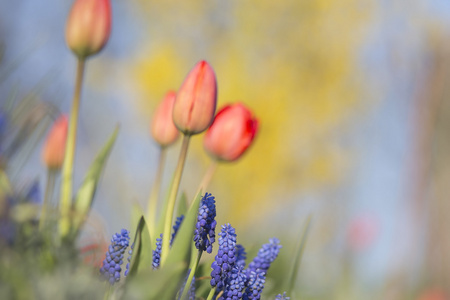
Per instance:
{"type": "Point", "coordinates": [172, 198]}
{"type": "Point", "coordinates": [211, 293]}
{"type": "Point", "coordinates": [49, 189]}
{"type": "Point", "coordinates": [193, 267]}
{"type": "Point", "coordinates": [67, 172]}
{"type": "Point", "coordinates": [154, 194]}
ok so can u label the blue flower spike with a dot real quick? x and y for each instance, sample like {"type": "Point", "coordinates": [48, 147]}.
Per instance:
{"type": "Point", "coordinates": [235, 284]}
{"type": "Point", "coordinates": [255, 285]}
{"type": "Point", "coordinates": [241, 255]}
{"type": "Point", "coordinates": [130, 253]}
{"type": "Point", "coordinates": [177, 225]}
{"type": "Point", "coordinates": [111, 266]}
{"type": "Point", "coordinates": [157, 253]}
{"type": "Point", "coordinates": [225, 258]}
{"type": "Point", "coordinates": [266, 255]}
{"type": "Point", "coordinates": [282, 297]}
{"type": "Point", "coordinates": [204, 235]}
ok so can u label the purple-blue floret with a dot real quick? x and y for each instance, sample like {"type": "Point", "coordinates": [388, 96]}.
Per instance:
{"type": "Point", "coordinates": [130, 253]}
{"type": "Point", "coordinates": [111, 266]}
{"type": "Point", "coordinates": [157, 253]}
{"type": "Point", "coordinates": [225, 258]}
{"type": "Point", "coordinates": [266, 255]}
{"type": "Point", "coordinates": [204, 235]}
{"type": "Point", "coordinates": [282, 297]}
{"type": "Point", "coordinates": [235, 284]}
{"type": "Point", "coordinates": [177, 225]}
{"type": "Point", "coordinates": [255, 285]}
{"type": "Point", "coordinates": [241, 255]}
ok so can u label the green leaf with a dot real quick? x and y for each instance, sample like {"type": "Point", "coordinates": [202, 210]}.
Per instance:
{"type": "Point", "coordinates": [181, 248]}
{"type": "Point", "coordinates": [182, 205]}
{"type": "Point", "coordinates": [297, 255]}
{"type": "Point", "coordinates": [141, 259]}
{"type": "Point", "coordinates": [85, 195]}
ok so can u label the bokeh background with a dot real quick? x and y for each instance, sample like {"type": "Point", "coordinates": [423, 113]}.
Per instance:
{"type": "Point", "coordinates": [352, 98]}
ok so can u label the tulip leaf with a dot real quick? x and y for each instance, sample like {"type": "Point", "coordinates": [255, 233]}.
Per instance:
{"type": "Point", "coordinates": [297, 255]}
{"type": "Point", "coordinates": [141, 259]}
{"type": "Point", "coordinates": [85, 194]}
{"type": "Point", "coordinates": [181, 247]}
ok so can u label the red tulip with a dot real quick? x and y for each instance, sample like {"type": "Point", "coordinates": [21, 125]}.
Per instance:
{"type": "Point", "coordinates": [55, 145]}
{"type": "Point", "coordinates": [163, 129]}
{"type": "Point", "coordinates": [231, 133]}
{"type": "Point", "coordinates": [88, 26]}
{"type": "Point", "coordinates": [195, 103]}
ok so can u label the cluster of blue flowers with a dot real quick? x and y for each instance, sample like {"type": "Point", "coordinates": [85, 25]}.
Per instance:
{"type": "Point", "coordinates": [176, 226]}
{"type": "Point", "coordinates": [111, 267]}
{"type": "Point", "coordinates": [157, 253]}
{"type": "Point", "coordinates": [225, 258]}
{"type": "Point", "coordinates": [204, 235]}
{"type": "Point", "coordinates": [282, 297]}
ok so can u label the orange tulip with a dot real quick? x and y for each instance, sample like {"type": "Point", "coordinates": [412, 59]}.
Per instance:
{"type": "Point", "coordinates": [163, 129]}
{"type": "Point", "coordinates": [88, 26]}
{"type": "Point", "coordinates": [231, 133]}
{"type": "Point", "coordinates": [55, 145]}
{"type": "Point", "coordinates": [195, 103]}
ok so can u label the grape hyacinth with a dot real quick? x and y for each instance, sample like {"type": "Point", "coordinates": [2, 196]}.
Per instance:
{"type": "Point", "coordinates": [157, 253]}
{"type": "Point", "coordinates": [177, 225]}
{"type": "Point", "coordinates": [255, 285]}
{"type": "Point", "coordinates": [266, 255]}
{"type": "Point", "coordinates": [191, 292]}
{"type": "Point", "coordinates": [282, 297]}
{"type": "Point", "coordinates": [241, 255]}
{"type": "Point", "coordinates": [206, 224]}
{"type": "Point", "coordinates": [235, 284]}
{"type": "Point", "coordinates": [130, 253]}
{"type": "Point", "coordinates": [111, 267]}
{"type": "Point", "coordinates": [225, 258]}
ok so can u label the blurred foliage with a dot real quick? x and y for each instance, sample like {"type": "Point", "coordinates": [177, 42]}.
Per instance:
{"type": "Point", "coordinates": [293, 62]}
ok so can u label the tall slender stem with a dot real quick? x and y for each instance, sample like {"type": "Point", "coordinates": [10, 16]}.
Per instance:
{"type": "Point", "coordinates": [211, 293]}
{"type": "Point", "coordinates": [193, 268]}
{"type": "Point", "coordinates": [67, 172]}
{"type": "Point", "coordinates": [49, 189]}
{"type": "Point", "coordinates": [154, 194]}
{"type": "Point", "coordinates": [207, 177]}
{"type": "Point", "coordinates": [172, 198]}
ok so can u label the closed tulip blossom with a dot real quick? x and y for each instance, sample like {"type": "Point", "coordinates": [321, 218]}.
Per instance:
{"type": "Point", "coordinates": [163, 129]}
{"type": "Point", "coordinates": [231, 133]}
{"type": "Point", "coordinates": [88, 26]}
{"type": "Point", "coordinates": [55, 145]}
{"type": "Point", "coordinates": [196, 99]}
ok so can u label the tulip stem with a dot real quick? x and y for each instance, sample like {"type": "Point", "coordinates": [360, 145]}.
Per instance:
{"type": "Point", "coordinates": [154, 194]}
{"type": "Point", "coordinates": [172, 198]}
{"type": "Point", "coordinates": [49, 189]}
{"type": "Point", "coordinates": [192, 268]}
{"type": "Point", "coordinates": [207, 177]}
{"type": "Point", "coordinates": [211, 293]}
{"type": "Point", "coordinates": [67, 172]}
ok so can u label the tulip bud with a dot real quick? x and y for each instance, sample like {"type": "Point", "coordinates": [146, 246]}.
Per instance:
{"type": "Point", "coordinates": [88, 26]}
{"type": "Point", "coordinates": [231, 133]}
{"type": "Point", "coordinates": [55, 145]}
{"type": "Point", "coordinates": [163, 129]}
{"type": "Point", "coordinates": [195, 103]}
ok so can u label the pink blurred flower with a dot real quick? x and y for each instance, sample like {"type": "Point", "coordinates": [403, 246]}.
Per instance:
{"type": "Point", "coordinates": [163, 129]}
{"type": "Point", "coordinates": [196, 99]}
{"type": "Point", "coordinates": [55, 144]}
{"type": "Point", "coordinates": [88, 26]}
{"type": "Point", "coordinates": [362, 232]}
{"type": "Point", "coordinates": [231, 132]}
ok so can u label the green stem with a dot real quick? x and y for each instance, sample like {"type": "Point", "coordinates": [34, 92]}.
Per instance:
{"type": "Point", "coordinates": [172, 199]}
{"type": "Point", "coordinates": [49, 189]}
{"type": "Point", "coordinates": [108, 293]}
{"type": "Point", "coordinates": [211, 293]}
{"type": "Point", "coordinates": [193, 267]}
{"type": "Point", "coordinates": [207, 177]}
{"type": "Point", "coordinates": [67, 172]}
{"type": "Point", "coordinates": [154, 194]}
